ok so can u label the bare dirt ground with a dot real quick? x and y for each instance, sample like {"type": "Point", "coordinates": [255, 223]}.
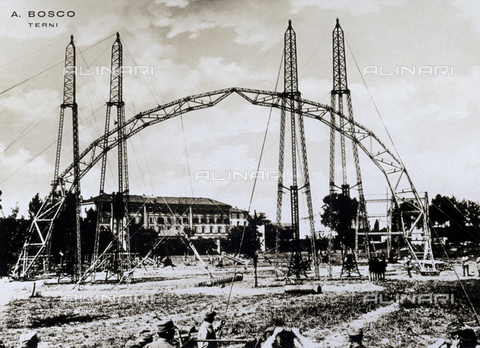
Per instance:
{"type": "Point", "coordinates": [107, 315]}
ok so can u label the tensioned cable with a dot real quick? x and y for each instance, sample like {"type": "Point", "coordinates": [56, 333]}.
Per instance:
{"type": "Point", "coordinates": [80, 52]}
{"type": "Point", "coordinates": [134, 152]}
{"type": "Point", "coordinates": [459, 281]}
{"type": "Point", "coordinates": [374, 104]}
{"type": "Point", "coordinates": [254, 186]}
{"type": "Point", "coordinates": [459, 225]}
{"type": "Point", "coordinates": [261, 60]}
{"type": "Point", "coordinates": [30, 78]}
{"type": "Point", "coordinates": [115, 238]}
{"type": "Point", "coordinates": [96, 84]}
{"type": "Point", "coordinates": [138, 165]}
{"type": "Point", "coordinates": [27, 55]}
{"type": "Point", "coordinates": [105, 102]}
{"type": "Point", "coordinates": [146, 161]}
{"type": "Point", "coordinates": [148, 86]}
{"type": "Point", "coordinates": [141, 138]}
{"type": "Point", "coordinates": [316, 50]}
{"type": "Point", "coordinates": [49, 68]}
{"type": "Point", "coordinates": [45, 149]}
{"type": "Point", "coordinates": [186, 155]}
{"type": "Point", "coordinates": [23, 91]}
{"type": "Point", "coordinates": [95, 125]}
{"type": "Point", "coordinates": [26, 130]}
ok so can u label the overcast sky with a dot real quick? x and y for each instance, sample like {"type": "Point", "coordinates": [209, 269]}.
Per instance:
{"type": "Point", "coordinates": [418, 61]}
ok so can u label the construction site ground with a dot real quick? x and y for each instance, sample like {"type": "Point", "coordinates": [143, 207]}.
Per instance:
{"type": "Point", "coordinates": [108, 314]}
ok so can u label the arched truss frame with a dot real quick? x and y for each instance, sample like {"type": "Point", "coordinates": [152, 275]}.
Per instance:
{"type": "Point", "coordinates": [397, 177]}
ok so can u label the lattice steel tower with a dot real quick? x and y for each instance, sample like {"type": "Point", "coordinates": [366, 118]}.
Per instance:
{"type": "Point", "coordinates": [291, 106]}
{"type": "Point", "coordinates": [339, 94]}
{"type": "Point", "coordinates": [69, 101]}
{"type": "Point", "coordinates": [37, 247]}
{"type": "Point", "coordinates": [119, 201]}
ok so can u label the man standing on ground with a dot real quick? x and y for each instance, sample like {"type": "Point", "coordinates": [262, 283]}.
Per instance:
{"type": "Point", "coordinates": [478, 265]}
{"type": "Point", "coordinates": [408, 266]}
{"type": "Point", "coordinates": [465, 267]}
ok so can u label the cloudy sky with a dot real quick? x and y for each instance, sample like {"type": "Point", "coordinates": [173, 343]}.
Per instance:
{"type": "Point", "coordinates": [416, 61]}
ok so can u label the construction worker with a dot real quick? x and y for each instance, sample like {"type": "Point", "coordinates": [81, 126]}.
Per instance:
{"type": "Point", "coordinates": [465, 267]}
{"type": "Point", "coordinates": [408, 266]}
{"type": "Point", "coordinates": [466, 337]}
{"type": "Point", "coordinates": [355, 336]}
{"type": "Point", "coordinates": [166, 333]}
{"type": "Point", "coordinates": [478, 265]}
{"type": "Point", "coordinates": [207, 331]}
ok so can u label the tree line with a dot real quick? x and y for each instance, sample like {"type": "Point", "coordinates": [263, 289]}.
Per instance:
{"type": "Point", "coordinates": [458, 220]}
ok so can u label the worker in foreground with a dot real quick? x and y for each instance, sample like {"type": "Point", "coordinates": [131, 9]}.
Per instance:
{"type": "Point", "coordinates": [355, 336]}
{"type": "Point", "coordinates": [460, 336]}
{"type": "Point", "coordinates": [166, 333]}
{"type": "Point", "coordinates": [207, 331]}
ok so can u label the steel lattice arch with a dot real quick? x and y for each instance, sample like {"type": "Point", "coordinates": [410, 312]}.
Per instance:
{"type": "Point", "coordinates": [396, 175]}
{"type": "Point", "coordinates": [289, 102]}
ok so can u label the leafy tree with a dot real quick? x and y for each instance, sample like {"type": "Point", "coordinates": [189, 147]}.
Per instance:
{"type": "Point", "coordinates": [143, 240]}
{"type": "Point", "coordinates": [34, 206]}
{"type": "Point", "coordinates": [64, 233]}
{"type": "Point", "coordinates": [12, 236]}
{"type": "Point", "coordinates": [245, 240]}
{"type": "Point", "coordinates": [446, 211]}
{"type": "Point", "coordinates": [88, 230]}
{"type": "Point", "coordinates": [204, 245]}
{"type": "Point", "coordinates": [472, 213]}
{"type": "Point", "coordinates": [285, 236]}
{"type": "Point", "coordinates": [339, 214]}
{"type": "Point", "coordinates": [457, 220]}
{"type": "Point", "coordinates": [247, 236]}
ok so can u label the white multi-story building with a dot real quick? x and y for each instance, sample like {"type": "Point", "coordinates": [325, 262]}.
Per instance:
{"type": "Point", "coordinates": [205, 217]}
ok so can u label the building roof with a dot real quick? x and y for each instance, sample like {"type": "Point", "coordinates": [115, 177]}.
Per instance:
{"type": "Point", "coordinates": [237, 210]}
{"type": "Point", "coordinates": [160, 200]}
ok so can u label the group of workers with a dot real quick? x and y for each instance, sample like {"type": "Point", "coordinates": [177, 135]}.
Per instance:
{"type": "Point", "coordinates": [281, 337]}
{"type": "Point", "coordinates": [466, 261]}
{"type": "Point", "coordinates": [164, 337]}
